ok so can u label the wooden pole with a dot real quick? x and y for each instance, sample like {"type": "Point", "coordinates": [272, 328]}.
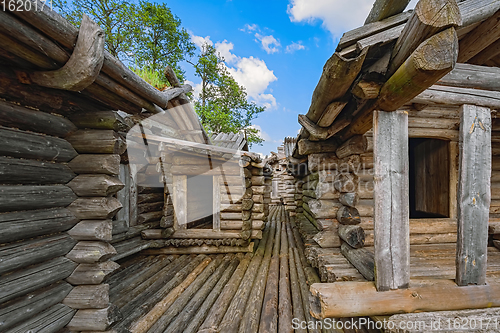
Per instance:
{"type": "Point", "coordinates": [391, 213]}
{"type": "Point", "coordinates": [474, 195]}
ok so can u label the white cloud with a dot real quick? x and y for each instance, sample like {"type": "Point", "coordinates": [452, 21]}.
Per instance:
{"type": "Point", "coordinates": [250, 27]}
{"type": "Point", "coordinates": [294, 47]}
{"type": "Point", "coordinates": [269, 43]}
{"type": "Point", "coordinates": [224, 48]}
{"type": "Point", "coordinates": [252, 73]}
{"type": "Point", "coordinates": [262, 134]}
{"type": "Point", "coordinates": [199, 41]}
{"type": "Point", "coordinates": [338, 16]}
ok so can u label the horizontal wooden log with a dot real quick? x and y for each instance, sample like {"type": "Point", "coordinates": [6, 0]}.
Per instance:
{"type": "Point", "coordinates": [479, 39]}
{"type": "Point", "coordinates": [416, 74]}
{"type": "Point", "coordinates": [327, 238]}
{"type": "Point", "coordinates": [149, 217]}
{"type": "Point", "coordinates": [100, 230]}
{"type": "Point", "coordinates": [317, 133]}
{"type": "Point", "coordinates": [27, 280]}
{"type": "Point", "coordinates": [157, 233]}
{"type": "Point", "coordinates": [97, 142]}
{"type": "Point", "coordinates": [103, 120]}
{"type": "Point", "coordinates": [52, 319]}
{"type": "Point", "coordinates": [358, 144]}
{"type": "Point", "coordinates": [88, 297]}
{"type": "Point", "coordinates": [341, 299]}
{"type": "Point", "coordinates": [237, 225]}
{"type": "Point", "coordinates": [129, 247]}
{"type": "Point", "coordinates": [363, 259]}
{"type": "Point", "coordinates": [204, 249]}
{"type": "Point", "coordinates": [96, 164]}
{"type": "Point", "coordinates": [26, 224]}
{"type": "Point", "coordinates": [95, 185]}
{"type": "Point", "coordinates": [26, 307]}
{"type": "Point", "coordinates": [92, 273]}
{"type": "Point", "coordinates": [12, 115]}
{"type": "Point", "coordinates": [15, 198]}
{"type": "Point", "coordinates": [150, 197]}
{"type": "Point", "coordinates": [21, 144]}
{"type": "Point", "coordinates": [134, 231]}
{"type": "Point", "coordinates": [95, 208]}
{"type": "Point", "coordinates": [455, 96]}
{"type": "Point", "coordinates": [95, 319]}
{"type": "Point", "coordinates": [30, 172]}
{"type": "Point", "coordinates": [19, 255]}
{"type": "Point", "coordinates": [89, 252]}
{"type": "Point", "coordinates": [212, 234]}
{"type": "Point", "coordinates": [472, 76]}
{"type": "Point", "coordinates": [154, 206]}
{"type": "Point", "coordinates": [306, 147]}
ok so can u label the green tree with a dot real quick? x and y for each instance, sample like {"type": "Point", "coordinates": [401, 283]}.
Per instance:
{"type": "Point", "coordinates": [115, 17]}
{"type": "Point", "coordinates": [160, 39]}
{"type": "Point", "coordinates": [223, 104]}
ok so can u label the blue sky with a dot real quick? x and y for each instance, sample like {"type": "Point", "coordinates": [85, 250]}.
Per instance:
{"type": "Point", "coordinates": [275, 48]}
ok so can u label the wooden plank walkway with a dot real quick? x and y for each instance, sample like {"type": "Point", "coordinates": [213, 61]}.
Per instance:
{"type": "Point", "coordinates": [254, 292]}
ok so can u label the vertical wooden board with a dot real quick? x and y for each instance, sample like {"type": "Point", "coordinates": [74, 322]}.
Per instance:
{"type": "Point", "coordinates": [132, 186]}
{"type": "Point", "coordinates": [124, 194]}
{"type": "Point", "coordinates": [453, 179]}
{"type": "Point", "coordinates": [216, 203]}
{"type": "Point", "coordinates": [391, 213]}
{"type": "Point", "coordinates": [180, 201]}
{"type": "Point", "coordinates": [474, 195]}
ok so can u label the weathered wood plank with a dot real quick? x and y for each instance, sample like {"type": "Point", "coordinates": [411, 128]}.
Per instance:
{"type": "Point", "coordinates": [22, 282]}
{"type": "Point", "coordinates": [88, 297]}
{"type": "Point", "coordinates": [107, 164]}
{"type": "Point", "coordinates": [30, 172]}
{"type": "Point", "coordinates": [51, 320]}
{"type": "Point", "coordinates": [95, 319]}
{"type": "Point", "coordinates": [456, 96]}
{"type": "Point", "coordinates": [180, 202]}
{"type": "Point", "coordinates": [35, 146]}
{"type": "Point", "coordinates": [18, 197]}
{"type": "Point", "coordinates": [100, 230]}
{"type": "Point", "coordinates": [26, 224]}
{"type": "Point", "coordinates": [472, 76]}
{"type": "Point", "coordinates": [92, 273]}
{"type": "Point", "coordinates": [479, 38]}
{"type": "Point", "coordinates": [391, 213]}
{"type": "Point", "coordinates": [473, 195]}
{"type": "Point", "coordinates": [341, 299]}
{"type": "Point", "coordinates": [383, 9]}
{"type": "Point", "coordinates": [363, 259]}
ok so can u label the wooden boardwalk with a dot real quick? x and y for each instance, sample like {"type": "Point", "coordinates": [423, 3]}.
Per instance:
{"type": "Point", "coordinates": [254, 292]}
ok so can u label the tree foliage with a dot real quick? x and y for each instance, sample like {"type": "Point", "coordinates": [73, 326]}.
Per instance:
{"type": "Point", "coordinates": [223, 104]}
{"type": "Point", "coordinates": [145, 33]}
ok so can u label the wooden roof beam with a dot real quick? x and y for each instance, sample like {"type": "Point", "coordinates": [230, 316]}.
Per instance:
{"type": "Point", "coordinates": [386, 8]}
{"type": "Point", "coordinates": [429, 18]}
{"type": "Point", "coordinates": [480, 38]}
{"type": "Point", "coordinates": [472, 76]}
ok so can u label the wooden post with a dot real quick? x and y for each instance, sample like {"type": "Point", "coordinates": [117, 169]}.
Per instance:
{"type": "Point", "coordinates": [391, 214]}
{"type": "Point", "coordinates": [180, 201]}
{"type": "Point", "coordinates": [216, 204]}
{"type": "Point", "coordinates": [473, 194]}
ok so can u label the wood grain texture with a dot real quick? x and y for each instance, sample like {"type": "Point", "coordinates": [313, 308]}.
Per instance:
{"type": "Point", "coordinates": [385, 8]}
{"type": "Point", "coordinates": [474, 195]}
{"type": "Point", "coordinates": [31, 172]}
{"type": "Point", "coordinates": [479, 38]}
{"type": "Point", "coordinates": [107, 164]}
{"type": "Point", "coordinates": [18, 197]}
{"type": "Point", "coordinates": [391, 213]}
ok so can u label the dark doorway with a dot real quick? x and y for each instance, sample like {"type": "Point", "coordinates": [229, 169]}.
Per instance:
{"type": "Point", "coordinates": [200, 201]}
{"type": "Point", "coordinates": [429, 178]}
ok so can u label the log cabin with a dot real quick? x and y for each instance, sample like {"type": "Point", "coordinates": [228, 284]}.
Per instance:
{"type": "Point", "coordinates": [399, 193]}
{"type": "Point", "coordinates": [116, 207]}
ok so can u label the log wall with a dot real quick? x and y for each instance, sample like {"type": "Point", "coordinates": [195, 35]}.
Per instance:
{"type": "Point", "coordinates": [36, 224]}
